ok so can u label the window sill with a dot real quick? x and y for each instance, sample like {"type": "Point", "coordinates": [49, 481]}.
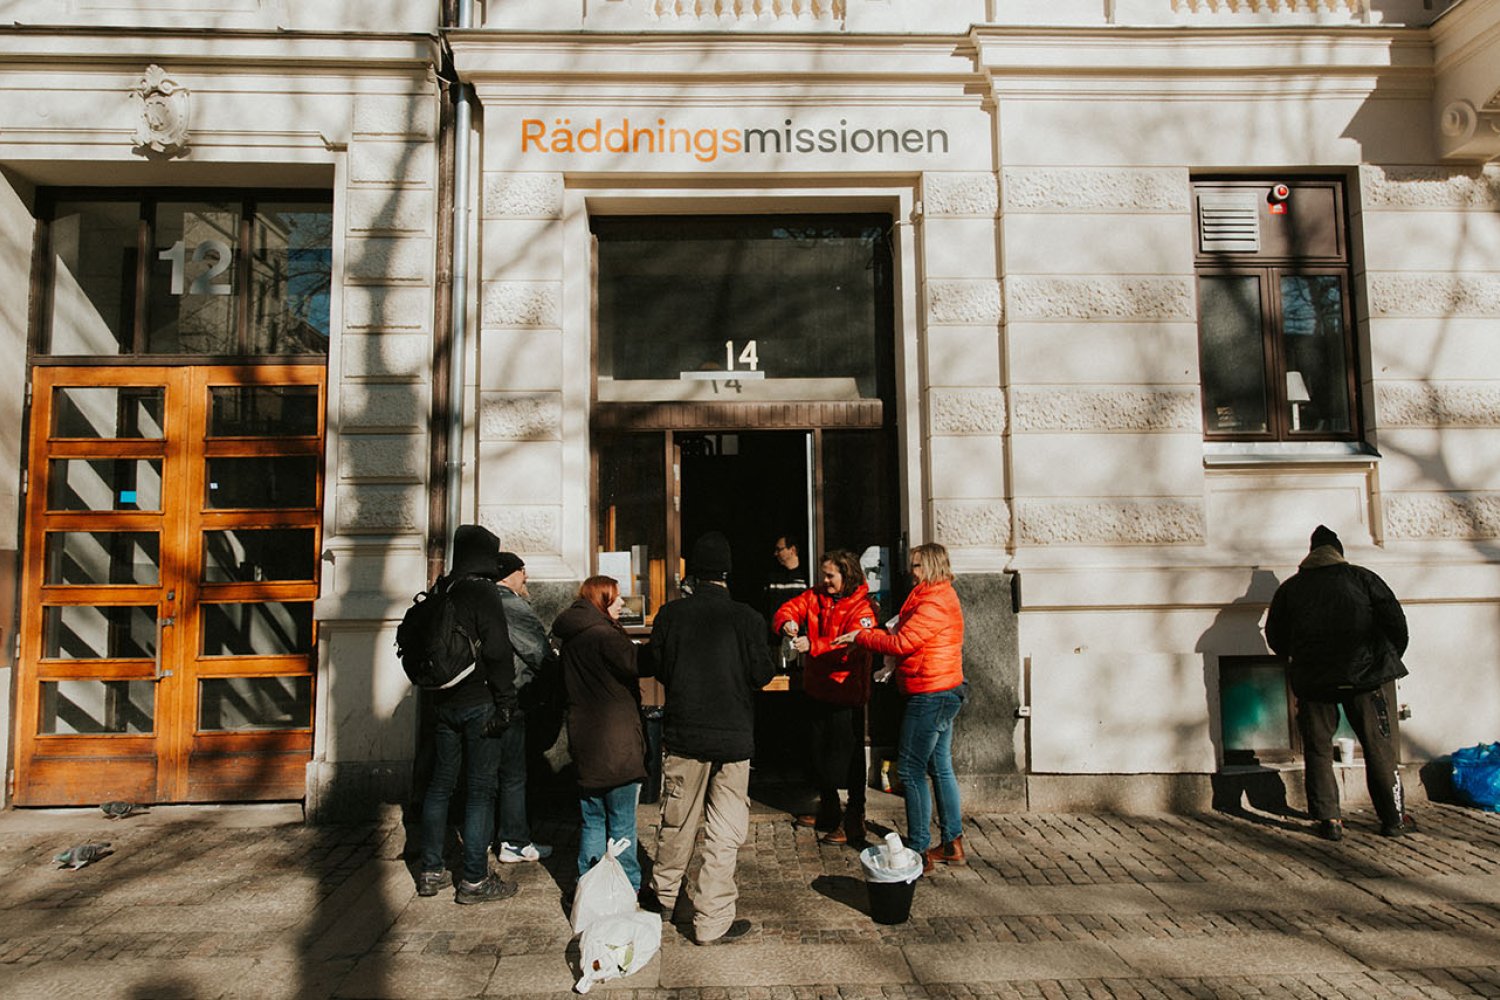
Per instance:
{"type": "Point", "coordinates": [1226, 453]}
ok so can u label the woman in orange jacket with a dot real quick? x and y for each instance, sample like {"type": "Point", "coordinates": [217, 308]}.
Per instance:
{"type": "Point", "coordinates": [836, 685]}
{"type": "Point", "coordinates": [927, 647]}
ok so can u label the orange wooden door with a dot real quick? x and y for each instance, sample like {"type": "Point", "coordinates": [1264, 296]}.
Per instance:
{"type": "Point", "coordinates": [171, 563]}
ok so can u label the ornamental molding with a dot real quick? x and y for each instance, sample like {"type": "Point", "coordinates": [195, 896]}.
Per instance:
{"type": "Point", "coordinates": [1105, 410]}
{"type": "Point", "coordinates": [1083, 189]}
{"type": "Point", "coordinates": [1352, 8]}
{"type": "Point", "coordinates": [1430, 187]}
{"type": "Point", "coordinates": [1087, 298]}
{"type": "Point", "coordinates": [830, 13]}
{"type": "Point", "coordinates": [1110, 522]}
{"type": "Point", "coordinates": [163, 125]}
{"type": "Point", "coordinates": [1448, 515]}
{"type": "Point", "coordinates": [1448, 404]}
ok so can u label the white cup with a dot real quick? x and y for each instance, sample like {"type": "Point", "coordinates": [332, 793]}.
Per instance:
{"type": "Point", "coordinates": [1346, 750]}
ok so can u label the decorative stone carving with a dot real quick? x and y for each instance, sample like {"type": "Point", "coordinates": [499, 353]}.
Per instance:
{"type": "Point", "coordinates": [520, 416]}
{"type": "Point", "coordinates": [1353, 8]}
{"type": "Point", "coordinates": [975, 524]}
{"type": "Point", "coordinates": [523, 196]}
{"type": "Point", "coordinates": [1129, 298]}
{"type": "Point", "coordinates": [967, 411]}
{"type": "Point", "coordinates": [962, 302]}
{"type": "Point", "coordinates": [1447, 515]}
{"type": "Point", "coordinates": [1435, 295]}
{"type": "Point", "coordinates": [522, 304]}
{"type": "Point", "coordinates": [1441, 404]}
{"type": "Point", "coordinates": [1089, 189]}
{"type": "Point", "coordinates": [525, 528]}
{"type": "Point", "coordinates": [163, 125]}
{"type": "Point", "coordinates": [960, 195]}
{"type": "Point", "coordinates": [1110, 522]}
{"type": "Point", "coordinates": [368, 507]}
{"type": "Point", "coordinates": [1105, 409]}
{"type": "Point", "coordinates": [828, 12]}
{"type": "Point", "coordinates": [1430, 187]}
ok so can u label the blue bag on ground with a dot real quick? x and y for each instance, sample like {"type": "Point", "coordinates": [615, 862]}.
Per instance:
{"type": "Point", "coordinates": [1476, 775]}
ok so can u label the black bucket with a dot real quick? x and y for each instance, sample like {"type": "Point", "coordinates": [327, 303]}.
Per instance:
{"type": "Point", "coordinates": [890, 902]}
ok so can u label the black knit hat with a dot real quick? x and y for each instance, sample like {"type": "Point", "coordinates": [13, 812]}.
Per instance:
{"type": "Point", "coordinates": [507, 563]}
{"type": "Point", "coordinates": [474, 550]}
{"type": "Point", "coordinates": [1323, 535]}
{"type": "Point", "coordinates": [710, 559]}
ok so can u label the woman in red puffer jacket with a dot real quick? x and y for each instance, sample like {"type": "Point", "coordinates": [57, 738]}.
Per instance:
{"type": "Point", "coordinates": [835, 686]}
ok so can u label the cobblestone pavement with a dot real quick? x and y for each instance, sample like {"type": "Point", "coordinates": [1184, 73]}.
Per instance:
{"type": "Point", "coordinates": [247, 901]}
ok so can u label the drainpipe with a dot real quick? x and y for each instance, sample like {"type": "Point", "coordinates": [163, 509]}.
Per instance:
{"type": "Point", "coordinates": [458, 341]}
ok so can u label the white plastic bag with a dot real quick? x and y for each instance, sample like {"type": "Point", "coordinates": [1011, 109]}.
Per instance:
{"type": "Point", "coordinates": [617, 945]}
{"type": "Point", "coordinates": [604, 890]}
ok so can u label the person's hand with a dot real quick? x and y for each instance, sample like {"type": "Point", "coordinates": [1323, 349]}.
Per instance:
{"type": "Point", "coordinates": [883, 674]}
{"type": "Point", "coordinates": [847, 639]}
{"type": "Point", "coordinates": [790, 628]}
{"type": "Point", "coordinates": [802, 644]}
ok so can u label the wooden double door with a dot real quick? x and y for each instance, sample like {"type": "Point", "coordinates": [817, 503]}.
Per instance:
{"type": "Point", "coordinates": [167, 641]}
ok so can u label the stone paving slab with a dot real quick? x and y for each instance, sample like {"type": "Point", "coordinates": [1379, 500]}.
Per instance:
{"type": "Point", "coordinates": [988, 898]}
{"type": "Point", "coordinates": [1246, 954]}
{"type": "Point", "coordinates": [1419, 949]}
{"type": "Point", "coordinates": [989, 963]}
{"type": "Point", "coordinates": [1299, 894]}
{"type": "Point", "coordinates": [1427, 889]}
{"type": "Point", "coordinates": [749, 964]}
{"type": "Point", "coordinates": [548, 974]}
{"type": "Point", "coordinates": [418, 977]}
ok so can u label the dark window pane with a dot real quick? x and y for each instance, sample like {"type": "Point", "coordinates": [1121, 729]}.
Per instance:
{"type": "Point", "coordinates": [261, 482]}
{"type": "Point", "coordinates": [192, 308]}
{"type": "Point", "coordinates": [1312, 322]}
{"type": "Point", "coordinates": [263, 411]}
{"type": "Point", "coordinates": [270, 629]}
{"type": "Point", "coordinates": [1233, 354]}
{"type": "Point", "coordinates": [96, 707]}
{"type": "Point", "coordinates": [632, 497]}
{"type": "Point", "coordinates": [230, 703]}
{"type": "Point", "coordinates": [94, 261]}
{"type": "Point", "coordinates": [104, 484]}
{"type": "Point", "coordinates": [291, 272]}
{"type": "Point", "coordinates": [1253, 706]}
{"type": "Point", "coordinates": [249, 555]}
{"type": "Point", "coordinates": [81, 632]}
{"type": "Point", "coordinates": [103, 557]}
{"type": "Point", "coordinates": [107, 411]}
{"type": "Point", "coordinates": [859, 493]}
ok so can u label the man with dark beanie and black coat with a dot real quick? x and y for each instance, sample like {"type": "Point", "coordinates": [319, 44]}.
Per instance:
{"type": "Point", "coordinates": [469, 721]}
{"type": "Point", "coordinates": [709, 652]}
{"type": "Point", "coordinates": [1342, 632]}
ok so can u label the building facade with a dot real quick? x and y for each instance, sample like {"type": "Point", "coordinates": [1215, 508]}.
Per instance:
{"type": "Point", "coordinates": [1117, 300]}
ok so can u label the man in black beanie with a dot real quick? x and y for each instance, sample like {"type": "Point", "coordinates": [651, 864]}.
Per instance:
{"type": "Point", "coordinates": [709, 652]}
{"type": "Point", "coordinates": [1342, 632]}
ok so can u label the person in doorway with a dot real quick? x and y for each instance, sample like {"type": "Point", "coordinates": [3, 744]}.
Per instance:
{"type": "Point", "coordinates": [925, 652]}
{"type": "Point", "coordinates": [605, 733]}
{"type": "Point", "coordinates": [470, 723]}
{"type": "Point", "coordinates": [1342, 633]}
{"type": "Point", "coordinates": [835, 687]}
{"type": "Point", "coordinates": [787, 577]}
{"type": "Point", "coordinates": [709, 652]}
{"type": "Point", "coordinates": [528, 638]}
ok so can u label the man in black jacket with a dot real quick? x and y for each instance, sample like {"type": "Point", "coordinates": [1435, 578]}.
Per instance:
{"type": "Point", "coordinates": [1342, 632]}
{"type": "Point", "coordinates": [709, 652]}
{"type": "Point", "coordinates": [470, 719]}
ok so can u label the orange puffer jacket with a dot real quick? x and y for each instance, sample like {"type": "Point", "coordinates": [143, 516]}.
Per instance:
{"type": "Point", "coordinates": [836, 674]}
{"type": "Point", "coordinates": [928, 640]}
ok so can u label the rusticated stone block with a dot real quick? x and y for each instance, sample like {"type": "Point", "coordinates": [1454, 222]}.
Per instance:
{"type": "Point", "coordinates": [1110, 522]}
{"type": "Point", "coordinates": [967, 411]}
{"type": "Point", "coordinates": [525, 528]}
{"type": "Point", "coordinates": [380, 307]}
{"type": "Point", "coordinates": [1431, 187]}
{"type": "Point", "coordinates": [1438, 404]}
{"type": "Point", "coordinates": [960, 194]}
{"type": "Point", "coordinates": [365, 508]}
{"type": "Point", "coordinates": [520, 416]}
{"type": "Point", "coordinates": [382, 260]}
{"type": "Point", "coordinates": [1043, 298]}
{"type": "Point", "coordinates": [1440, 295]}
{"type": "Point", "coordinates": [523, 196]}
{"type": "Point", "coordinates": [386, 356]}
{"type": "Point", "coordinates": [522, 304]}
{"type": "Point", "coordinates": [1105, 409]}
{"type": "Point", "coordinates": [413, 115]}
{"type": "Point", "coordinates": [1094, 189]}
{"type": "Point", "coordinates": [382, 407]}
{"type": "Point", "coordinates": [972, 523]}
{"type": "Point", "coordinates": [391, 210]}
{"type": "Point", "coordinates": [1442, 515]}
{"type": "Point", "coordinates": [381, 162]}
{"type": "Point", "coordinates": [964, 302]}
{"type": "Point", "coordinates": [383, 456]}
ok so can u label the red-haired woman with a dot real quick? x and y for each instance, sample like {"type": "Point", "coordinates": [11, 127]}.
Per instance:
{"type": "Point", "coordinates": [605, 735]}
{"type": "Point", "coordinates": [836, 682]}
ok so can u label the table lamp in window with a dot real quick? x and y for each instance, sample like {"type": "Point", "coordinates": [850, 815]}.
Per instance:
{"type": "Point", "coordinates": [1296, 395]}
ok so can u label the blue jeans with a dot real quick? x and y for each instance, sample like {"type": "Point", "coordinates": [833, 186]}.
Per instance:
{"type": "Point", "coordinates": [927, 751]}
{"type": "Point", "coordinates": [459, 738]}
{"type": "Point", "coordinates": [609, 815]}
{"type": "Point", "coordinates": [511, 826]}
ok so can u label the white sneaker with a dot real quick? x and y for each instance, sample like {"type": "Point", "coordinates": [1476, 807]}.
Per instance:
{"type": "Point", "coordinates": [516, 853]}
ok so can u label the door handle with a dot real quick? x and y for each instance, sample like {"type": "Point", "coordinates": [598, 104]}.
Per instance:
{"type": "Point", "coordinates": [161, 624]}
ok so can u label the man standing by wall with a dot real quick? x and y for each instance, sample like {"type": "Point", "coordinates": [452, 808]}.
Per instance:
{"type": "Point", "coordinates": [528, 638]}
{"type": "Point", "coordinates": [709, 652]}
{"type": "Point", "coordinates": [1343, 633]}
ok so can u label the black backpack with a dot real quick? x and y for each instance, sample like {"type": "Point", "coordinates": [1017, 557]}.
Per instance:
{"type": "Point", "coordinates": [436, 651]}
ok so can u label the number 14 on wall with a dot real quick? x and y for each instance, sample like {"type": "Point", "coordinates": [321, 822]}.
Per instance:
{"type": "Point", "coordinates": [747, 357]}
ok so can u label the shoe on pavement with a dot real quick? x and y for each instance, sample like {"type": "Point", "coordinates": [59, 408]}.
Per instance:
{"type": "Point", "coordinates": [1397, 829]}
{"type": "Point", "coordinates": [948, 853]}
{"type": "Point", "coordinates": [737, 929]}
{"type": "Point", "coordinates": [432, 883]}
{"type": "Point", "coordinates": [1331, 829]}
{"type": "Point", "coordinates": [681, 909]}
{"type": "Point", "coordinates": [512, 854]}
{"type": "Point", "coordinates": [488, 890]}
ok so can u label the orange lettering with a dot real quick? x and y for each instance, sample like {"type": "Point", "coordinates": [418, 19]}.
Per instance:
{"type": "Point", "coordinates": [532, 130]}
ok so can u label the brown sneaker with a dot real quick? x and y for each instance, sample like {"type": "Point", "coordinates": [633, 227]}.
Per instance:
{"type": "Point", "coordinates": [950, 853]}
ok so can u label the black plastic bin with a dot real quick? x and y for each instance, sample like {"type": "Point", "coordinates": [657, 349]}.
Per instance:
{"type": "Point", "coordinates": [651, 790]}
{"type": "Point", "coordinates": [890, 902]}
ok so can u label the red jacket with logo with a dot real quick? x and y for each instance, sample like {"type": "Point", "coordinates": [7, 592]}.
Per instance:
{"type": "Point", "coordinates": [836, 674]}
{"type": "Point", "coordinates": [928, 640]}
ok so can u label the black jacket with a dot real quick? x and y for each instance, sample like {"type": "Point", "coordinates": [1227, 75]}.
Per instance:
{"type": "Point", "coordinates": [477, 604]}
{"type": "Point", "coordinates": [1340, 627]}
{"type": "Point", "coordinates": [709, 651]}
{"type": "Point", "coordinates": [603, 684]}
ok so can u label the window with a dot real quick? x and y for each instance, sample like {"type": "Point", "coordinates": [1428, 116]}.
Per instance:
{"type": "Point", "coordinates": [1257, 712]}
{"type": "Point", "coordinates": [1276, 347]}
{"type": "Point", "coordinates": [225, 274]}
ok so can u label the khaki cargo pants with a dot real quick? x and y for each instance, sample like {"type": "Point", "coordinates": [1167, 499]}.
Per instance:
{"type": "Point", "coordinates": [715, 796]}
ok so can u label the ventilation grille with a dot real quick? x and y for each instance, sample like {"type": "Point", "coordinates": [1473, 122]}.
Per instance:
{"type": "Point", "coordinates": [1228, 223]}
